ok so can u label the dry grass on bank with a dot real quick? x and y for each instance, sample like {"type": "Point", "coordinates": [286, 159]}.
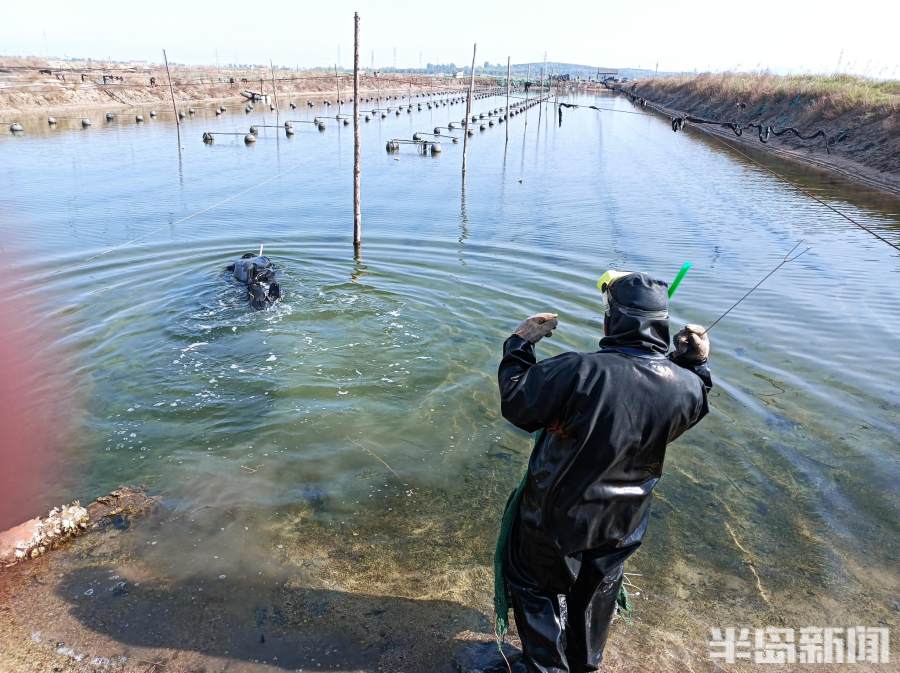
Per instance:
{"type": "Point", "coordinates": [840, 93]}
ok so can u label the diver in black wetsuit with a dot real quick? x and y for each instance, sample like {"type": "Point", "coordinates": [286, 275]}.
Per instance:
{"type": "Point", "coordinates": [603, 421]}
{"type": "Point", "coordinates": [257, 271]}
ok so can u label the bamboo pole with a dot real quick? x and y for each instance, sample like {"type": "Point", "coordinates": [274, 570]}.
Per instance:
{"type": "Point", "coordinates": [172, 93]}
{"type": "Point", "coordinates": [357, 215]}
{"type": "Point", "coordinates": [541, 90]}
{"type": "Point", "coordinates": [527, 89]}
{"type": "Point", "coordinates": [507, 98]}
{"type": "Point", "coordinates": [338, 80]}
{"type": "Point", "coordinates": [274, 92]}
{"type": "Point", "coordinates": [468, 111]}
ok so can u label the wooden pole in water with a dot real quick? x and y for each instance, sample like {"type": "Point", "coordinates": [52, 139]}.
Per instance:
{"type": "Point", "coordinates": [507, 98]}
{"type": "Point", "coordinates": [468, 111]}
{"type": "Point", "coordinates": [338, 80]}
{"type": "Point", "coordinates": [527, 88]}
{"type": "Point", "coordinates": [541, 90]}
{"type": "Point", "coordinates": [274, 92]}
{"type": "Point", "coordinates": [357, 215]}
{"type": "Point", "coordinates": [172, 93]}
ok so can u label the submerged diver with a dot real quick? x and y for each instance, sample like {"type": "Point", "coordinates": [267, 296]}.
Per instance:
{"type": "Point", "coordinates": [257, 272]}
{"type": "Point", "coordinates": [605, 419]}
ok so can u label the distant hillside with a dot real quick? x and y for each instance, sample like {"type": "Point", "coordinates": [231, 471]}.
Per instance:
{"type": "Point", "coordinates": [521, 70]}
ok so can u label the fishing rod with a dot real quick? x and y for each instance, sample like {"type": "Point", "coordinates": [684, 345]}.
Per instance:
{"type": "Point", "coordinates": [787, 258]}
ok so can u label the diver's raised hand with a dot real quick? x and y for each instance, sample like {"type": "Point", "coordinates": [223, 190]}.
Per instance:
{"type": "Point", "coordinates": [537, 327]}
{"type": "Point", "coordinates": [691, 345]}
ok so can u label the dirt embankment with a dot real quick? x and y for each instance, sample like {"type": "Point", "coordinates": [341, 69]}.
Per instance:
{"type": "Point", "coordinates": [30, 86]}
{"type": "Point", "coordinates": [859, 117]}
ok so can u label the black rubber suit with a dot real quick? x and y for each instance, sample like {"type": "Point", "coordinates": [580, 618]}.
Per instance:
{"type": "Point", "coordinates": [256, 272]}
{"type": "Point", "coordinates": [605, 419]}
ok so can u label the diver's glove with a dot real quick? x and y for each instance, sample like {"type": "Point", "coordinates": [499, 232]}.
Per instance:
{"type": "Point", "coordinates": [537, 327]}
{"type": "Point", "coordinates": [691, 346]}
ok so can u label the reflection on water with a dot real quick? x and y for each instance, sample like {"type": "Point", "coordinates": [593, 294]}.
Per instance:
{"type": "Point", "coordinates": [352, 434]}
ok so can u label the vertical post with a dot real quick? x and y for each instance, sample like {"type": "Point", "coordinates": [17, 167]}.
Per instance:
{"type": "Point", "coordinates": [172, 93]}
{"type": "Point", "coordinates": [468, 111]}
{"type": "Point", "coordinates": [338, 80]}
{"type": "Point", "coordinates": [507, 98]}
{"type": "Point", "coordinates": [357, 215]}
{"type": "Point", "coordinates": [274, 92]}
{"type": "Point", "coordinates": [541, 90]}
{"type": "Point", "coordinates": [527, 88]}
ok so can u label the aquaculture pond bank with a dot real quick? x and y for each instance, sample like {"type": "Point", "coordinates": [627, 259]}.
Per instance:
{"type": "Point", "coordinates": [331, 472]}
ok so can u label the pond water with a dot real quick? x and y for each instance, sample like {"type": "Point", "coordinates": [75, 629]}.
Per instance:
{"type": "Point", "coordinates": [351, 436]}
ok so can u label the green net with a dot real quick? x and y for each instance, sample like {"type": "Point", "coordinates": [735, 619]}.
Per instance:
{"type": "Point", "coordinates": [501, 599]}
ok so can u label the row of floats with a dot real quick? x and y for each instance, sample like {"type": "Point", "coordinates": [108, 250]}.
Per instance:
{"type": "Point", "coordinates": [16, 127]}
{"type": "Point", "coordinates": [424, 141]}
{"type": "Point", "coordinates": [429, 143]}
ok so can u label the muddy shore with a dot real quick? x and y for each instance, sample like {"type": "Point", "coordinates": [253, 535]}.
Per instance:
{"type": "Point", "coordinates": [116, 599]}
{"type": "Point", "coordinates": [35, 86]}
{"type": "Point", "coordinates": [864, 138]}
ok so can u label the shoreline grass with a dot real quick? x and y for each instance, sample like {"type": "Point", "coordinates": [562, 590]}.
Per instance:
{"type": "Point", "coordinates": [840, 92]}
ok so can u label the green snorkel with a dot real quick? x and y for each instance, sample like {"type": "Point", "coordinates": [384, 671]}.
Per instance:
{"type": "Point", "coordinates": [682, 272]}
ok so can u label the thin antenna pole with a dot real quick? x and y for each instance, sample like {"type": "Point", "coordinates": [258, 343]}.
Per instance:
{"type": "Point", "coordinates": [541, 90]}
{"type": "Point", "coordinates": [357, 215]}
{"type": "Point", "coordinates": [274, 92]}
{"type": "Point", "coordinates": [507, 98]}
{"type": "Point", "coordinates": [338, 79]}
{"type": "Point", "coordinates": [172, 93]}
{"type": "Point", "coordinates": [527, 88]}
{"type": "Point", "coordinates": [468, 111]}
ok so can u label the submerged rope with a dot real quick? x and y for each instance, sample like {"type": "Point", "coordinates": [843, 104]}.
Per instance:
{"type": "Point", "coordinates": [181, 220]}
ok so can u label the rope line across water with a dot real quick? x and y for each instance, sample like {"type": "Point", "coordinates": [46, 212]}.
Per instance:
{"type": "Point", "coordinates": [181, 220]}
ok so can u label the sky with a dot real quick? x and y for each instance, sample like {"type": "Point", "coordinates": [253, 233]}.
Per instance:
{"type": "Point", "coordinates": [795, 36]}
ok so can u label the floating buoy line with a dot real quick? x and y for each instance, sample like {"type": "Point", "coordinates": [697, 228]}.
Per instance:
{"type": "Point", "coordinates": [445, 97]}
